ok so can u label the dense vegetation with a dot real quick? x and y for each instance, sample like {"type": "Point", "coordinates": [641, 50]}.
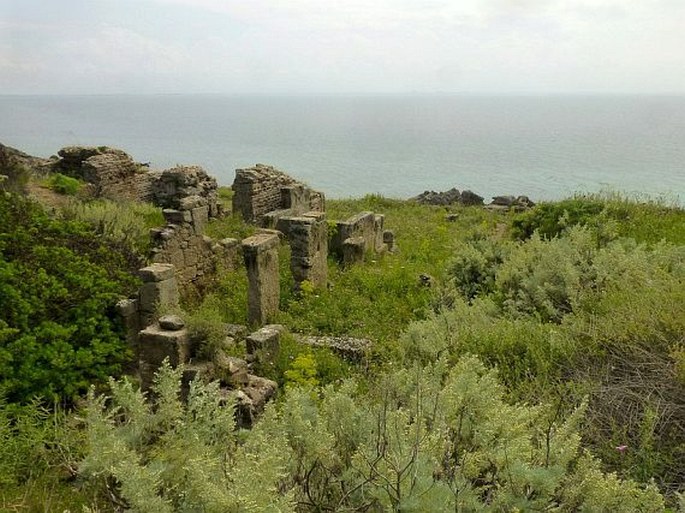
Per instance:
{"type": "Point", "coordinates": [58, 283]}
{"type": "Point", "coordinates": [546, 339]}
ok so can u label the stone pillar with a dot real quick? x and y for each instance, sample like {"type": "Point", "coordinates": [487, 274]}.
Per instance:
{"type": "Point", "coordinates": [308, 238]}
{"type": "Point", "coordinates": [378, 222]}
{"type": "Point", "coordinates": [155, 343]}
{"type": "Point", "coordinates": [159, 290]}
{"type": "Point", "coordinates": [261, 260]}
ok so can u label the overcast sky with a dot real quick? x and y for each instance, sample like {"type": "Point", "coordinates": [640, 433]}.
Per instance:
{"type": "Point", "coordinates": [342, 46]}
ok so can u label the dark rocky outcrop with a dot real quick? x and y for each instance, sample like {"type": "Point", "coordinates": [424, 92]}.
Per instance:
{"type": "Point", "coordinates": [450, 197]}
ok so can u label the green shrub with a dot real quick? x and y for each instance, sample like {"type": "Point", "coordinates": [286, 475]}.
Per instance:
{"type": "Point", "coordinates": [59, 282]}
{"type": "Point", "coordinates": [572, 316]}
{"type": "Point", "coordinates": [644, 220]}
{"type": "Point", "coordinates": [126, 222]}
{"type": "Point", "coordinates": [63, 184]}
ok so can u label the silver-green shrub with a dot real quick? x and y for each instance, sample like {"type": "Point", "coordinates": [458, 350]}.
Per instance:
{"type": "Point", "coordinates": [175, 456]}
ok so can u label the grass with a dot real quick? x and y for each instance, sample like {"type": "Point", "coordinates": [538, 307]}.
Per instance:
{"type": "Point", "coordinates": [619, 340]}
{"type": "Point", "coordinates": [378, 298]}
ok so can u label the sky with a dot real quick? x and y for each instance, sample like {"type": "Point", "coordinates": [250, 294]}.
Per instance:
{"type": "Point", "coordinates": [342, 46]}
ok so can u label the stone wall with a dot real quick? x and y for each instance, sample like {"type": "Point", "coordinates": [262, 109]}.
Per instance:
{"type": "Point", "coordinates": [184, 188]}
{"type": "Point", "coordinates": [357, 235]}
{"type": "Point", "coordinates": [112, 173]}
{"type": "Point", "coordinates": [196, 257]}
{"type": "Point", "coordinates": [262, 189]}
{"type": "Point", "coordinates": [308, 239]}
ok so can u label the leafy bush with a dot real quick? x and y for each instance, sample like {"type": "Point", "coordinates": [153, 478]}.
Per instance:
{"type": "Point", "coordinates": [436, 438]}
{"type": "Point", "coordinates": [644, 220]}
{"type": "Point", "coordinates": [63, 184]}
{"type": "Point", "coordinates": [58, 281]}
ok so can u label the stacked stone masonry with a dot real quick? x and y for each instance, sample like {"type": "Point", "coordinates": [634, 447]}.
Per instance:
{"type": "Point", "coordinates": [159, 290]}
{"type": "Point", "coordinates": [262, 189]}
{"type": "Point", "coordinates": [110, 173]}
{"type": "Point", "coordinates": [308, 239]}
{"type": "Point", "coordinates": [358, 235]}
{"type": "Point", "coordinates": [197, 258]}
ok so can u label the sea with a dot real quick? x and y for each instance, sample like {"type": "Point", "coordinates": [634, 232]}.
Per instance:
{"type": "Point", "coordinates": [545, 147]}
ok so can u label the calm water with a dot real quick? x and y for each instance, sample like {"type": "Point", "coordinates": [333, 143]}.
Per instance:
{"type": "Point", "coordinates": [545, 147]}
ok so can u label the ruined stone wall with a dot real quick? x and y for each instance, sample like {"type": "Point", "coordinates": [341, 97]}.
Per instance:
{"type": "Point", "coordinates": [357, 235]}
{"type": "Point", "coordinates": [262, 189]}
{"type": "Point", "coordinates": [196, 257]}
{"type": "Point", "coordinates": [308, 239]}
{"type": "Point", "coordinates": [112, 173]}
{"type": "Point", "coordinates": [190, 200]}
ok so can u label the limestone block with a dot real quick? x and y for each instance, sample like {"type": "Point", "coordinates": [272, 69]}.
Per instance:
{"type": "Point", "coordinates": [353, 250]}
{"type": "Point", "coordinates": [176, 216]}
{"type": "Point", "coordinates": [156, 272]}
{"type": "Point", "coordinates": [156, 344]}
{"type": "Point", "coordinates": [200, 217]}
{"type": "Point", "coordinates": [359, 225]}
{"type": "Point", "coordinates": [171, 322]}
{"type": "Point", "coordinates": [128, 311]}
{"type": "Point", "coordinates": [260, 391]}
{"type": "Point", "coordinates": [389, 240]}
{"type": "Point", "coordinates": [378, 222]}
{"type": "Point", "coordinates": [260, 253]}
{"type": "Point", "coordinates": [265, 339]}
{"type": "Point", "coordinates": [160, 293]}
{"type": "Point", "coordinates": [230, 370]}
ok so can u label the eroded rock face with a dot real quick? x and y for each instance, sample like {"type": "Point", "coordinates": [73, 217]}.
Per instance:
{"type": "Point", "coordinates": [36, 164]}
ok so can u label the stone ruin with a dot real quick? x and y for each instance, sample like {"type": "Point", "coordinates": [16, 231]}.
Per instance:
{"type": "Point", "coordinates": [182, 257]}
{"type": "Point", "coordinates": [261, 190]}
{"type": "Point", "coordinates": [155, 340]}
{"type": "Point", "coordinates": [110, 173]}
{"type": "Point", "coordinates": [189, 200]}
{"type": "Point", "coordinates": [361, 234]}
{"type": "Point", "coordinates": [261, 260]}
{"type": "Point", "coordinates": [271, 199]}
